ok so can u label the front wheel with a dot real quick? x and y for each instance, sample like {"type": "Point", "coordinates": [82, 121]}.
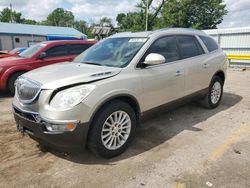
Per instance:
{"type": "Point", "coordinates": [11, 82]}
{"type": "Point", "coordinates": [215, 92]}
{"type": "Point", "coordinates": [113, 129]}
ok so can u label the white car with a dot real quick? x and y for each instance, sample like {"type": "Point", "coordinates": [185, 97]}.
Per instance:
{"type": "Point", "coordinates": [98, 100]}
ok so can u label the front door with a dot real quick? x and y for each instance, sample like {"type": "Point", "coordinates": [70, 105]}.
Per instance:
{"type": "Point", "coordinates": [55, 54]}
{"type": "Point", "coordinates": [165, 82]}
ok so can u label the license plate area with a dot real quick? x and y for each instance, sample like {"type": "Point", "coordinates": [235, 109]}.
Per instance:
{"type": "Point", "coordinates": [20, 128]}
{"type": "Point", "coordinates": [24, 130]}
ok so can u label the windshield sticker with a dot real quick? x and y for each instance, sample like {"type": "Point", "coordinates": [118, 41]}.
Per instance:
{"type": "Point", "coordinates": [137, 40]}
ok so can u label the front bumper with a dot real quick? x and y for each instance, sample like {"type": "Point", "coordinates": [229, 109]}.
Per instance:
{"type": "Point", "coordinates": [36, 129]}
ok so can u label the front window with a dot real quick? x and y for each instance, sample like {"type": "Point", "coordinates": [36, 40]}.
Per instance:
{"type": "Point", "coordinates": [31, 50]}
{"type": "Point", "coordinates": [115, 52]}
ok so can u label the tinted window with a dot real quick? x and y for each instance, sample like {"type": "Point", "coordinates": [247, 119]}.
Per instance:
{"type": "Point", "coordinates": [210, 43]}
{"type": "Point", "coordinates": [165, 46]}
{"type": "Point", "coordinates": [78, 48]}
{"type": "Point", "coordinates": [189, 46]}
{"type": "Point", "coordinates": [56, 51]}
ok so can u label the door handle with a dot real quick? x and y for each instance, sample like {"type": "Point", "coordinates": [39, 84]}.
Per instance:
{"type": "Point", "coordinates": [205, 65]}
{"type": "Point", "coordinates": [178, 73]}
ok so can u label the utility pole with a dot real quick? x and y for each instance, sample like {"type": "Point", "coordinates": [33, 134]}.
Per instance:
{"type": "Point", "coordinates": [146, 15]}
{"type": "Point", "coordinates": [11, 17]}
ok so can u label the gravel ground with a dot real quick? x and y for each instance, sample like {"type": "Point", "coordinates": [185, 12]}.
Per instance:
{"type": "Point", "coordinates": [186, 147]}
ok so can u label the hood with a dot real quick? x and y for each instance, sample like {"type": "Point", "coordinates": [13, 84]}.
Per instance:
{"type": "Point", "coordinates": [63, 74]}
{"type": "Point", "coordinates": [8, 61]}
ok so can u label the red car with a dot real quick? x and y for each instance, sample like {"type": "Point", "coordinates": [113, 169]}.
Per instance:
{"type": "Point", "coordinates": [38, 55]}
{"type": "Point", "coordinates": [11, 53]}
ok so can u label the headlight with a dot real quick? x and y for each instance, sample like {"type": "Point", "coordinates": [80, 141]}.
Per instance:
{"type": "Point", "coordinates": [69, 98]}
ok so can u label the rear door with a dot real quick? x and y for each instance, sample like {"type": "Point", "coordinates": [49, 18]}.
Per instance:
{"type": "Point", "coordinates": [76, 49]}
{"type": "Point", "coordinates": [213, 59]}
{"type": "Point", "coordinates": [192, 55]}
{"type": "Point", "coordinates": [165, 82]}
{"type": "Point", "coordinates": [54, 54]}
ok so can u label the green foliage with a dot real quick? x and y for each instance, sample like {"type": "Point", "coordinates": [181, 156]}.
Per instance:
{"type": "Point", "coordinates": [132, 21]}
{"type": "Point", "coordinates": [28, 21]}
{"type": "Point", "coordinates": [83, 27]}
{"type": "Point", "coordinates": [6, 15]}
{"type": "Point", "coordinates": [106, 22]}
{"type": "Point", "coordinates": [199, 14]}
{"type": "Point", "coordinates": [60, 17]}
{"type": "Point", "coordinates": [135, 21]}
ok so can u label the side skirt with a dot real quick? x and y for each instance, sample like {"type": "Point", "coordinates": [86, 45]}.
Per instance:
{"type": "Point", "coordinates": [173, 104]}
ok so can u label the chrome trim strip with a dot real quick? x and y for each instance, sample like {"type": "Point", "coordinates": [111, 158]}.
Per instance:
{"type": "Point", "coordinates": [46, 120]}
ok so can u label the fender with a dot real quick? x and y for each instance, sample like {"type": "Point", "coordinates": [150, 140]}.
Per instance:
{"type": "Point", "coordinates": [7, 73]}
{"type": "Point", "coordinates": [117, 96]}
{"type": "Point", "coordinates": [221, 73]}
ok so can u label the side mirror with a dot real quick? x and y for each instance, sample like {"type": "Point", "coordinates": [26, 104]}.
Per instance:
{"type": "Point", "coordinates": [42, 55]}
{"type": "Point", "coordinates": [154, 59]}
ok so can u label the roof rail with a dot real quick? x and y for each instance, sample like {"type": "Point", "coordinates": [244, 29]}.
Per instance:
{"type": "Point", "coordinates": [185, 29]}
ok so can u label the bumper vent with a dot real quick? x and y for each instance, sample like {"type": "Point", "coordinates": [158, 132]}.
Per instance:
{"type": "Point", "coordinates": [27, 90]}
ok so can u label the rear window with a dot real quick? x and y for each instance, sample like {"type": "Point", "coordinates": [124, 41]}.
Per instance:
{"type": "Point", "coordinates": [209, 43]}
{"type": "Point", "coordinates": [56, 51]}
{"type": "Point", "coordinates": [189, 46]}
{"type": "Point", "coordinates": [75, 49]}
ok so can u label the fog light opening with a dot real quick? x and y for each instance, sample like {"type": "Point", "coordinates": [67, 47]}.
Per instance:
{"type": "Point", "coordinates": [60, 127]}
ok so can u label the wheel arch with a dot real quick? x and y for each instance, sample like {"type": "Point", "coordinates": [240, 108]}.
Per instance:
{"type": "Point", "coordinates": [10, 72]}
{"type": "Point", "coordinates": [131, 100]}
{"type": "Point", "coordinates": [221, 74]}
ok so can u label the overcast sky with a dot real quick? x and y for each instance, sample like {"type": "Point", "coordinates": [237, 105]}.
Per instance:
{"type": "Point", "coordinates": [92, 10]}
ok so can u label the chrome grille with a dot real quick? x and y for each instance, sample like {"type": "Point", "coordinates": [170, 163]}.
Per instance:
{"type": "Point", "coordinates": [27, 90]}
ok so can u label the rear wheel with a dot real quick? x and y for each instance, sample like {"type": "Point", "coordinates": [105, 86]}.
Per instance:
{"type": "Point", "coordinates": [215, 92]}
{"type": "Point", "coordinates": [113, 129]}
{"type": "Point", "coordinates": [11, 82]}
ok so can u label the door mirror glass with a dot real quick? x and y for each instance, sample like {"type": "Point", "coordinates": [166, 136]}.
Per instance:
{"type": "Point", "coordinates": [42, 55]}
{"type": "Point", "coordinates": [154, 59]}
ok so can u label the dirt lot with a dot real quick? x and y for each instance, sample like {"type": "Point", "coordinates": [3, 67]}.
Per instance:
{"type": "Point", "coordinates": [187, 147]}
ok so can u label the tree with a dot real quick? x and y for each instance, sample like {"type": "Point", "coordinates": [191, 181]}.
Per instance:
{"type": "Point", "coordinates": [131, 21]}
{"type": "Point", "coordinates": [60, 17]}
{"type": "Point", "coordinates": [197, 14]}
{"type": "Point", "coordinates": [106, 22]}
{"type": "Point", "coordinates": [28, 21]}
{"type": "Point", "coordinates": [135, 21]}
{"type": "Point", "coordinates": [83, 27]}
{"type": "Point", "coordinates": [6, 15]}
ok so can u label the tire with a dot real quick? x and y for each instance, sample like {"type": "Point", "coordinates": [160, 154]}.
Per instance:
{"type": "Point", "coordinates": [214, 95]}
{"type": "Point", "coordinates": [11, 82]}
{"type": "Point", "coordinates": [104, 131]}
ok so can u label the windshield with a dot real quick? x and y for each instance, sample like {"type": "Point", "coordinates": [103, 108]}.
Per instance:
{"type": "Point", "coordinates": [14, 51]}
{"type": "Point", "coordinates": [115, 52]}
{"type": "Point", "coordinates": [31, 50]}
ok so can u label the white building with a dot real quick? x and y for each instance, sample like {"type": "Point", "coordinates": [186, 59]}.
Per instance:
{"type": "Point", "coordinates": [13, 35]}
{"type": "Point", "coordinates": [234, 41]}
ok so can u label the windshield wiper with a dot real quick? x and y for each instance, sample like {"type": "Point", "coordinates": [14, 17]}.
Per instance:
{"type": "Point", "coordinates": [20, 56]}
{"type": "Point", "coordinates": [92, 63]}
